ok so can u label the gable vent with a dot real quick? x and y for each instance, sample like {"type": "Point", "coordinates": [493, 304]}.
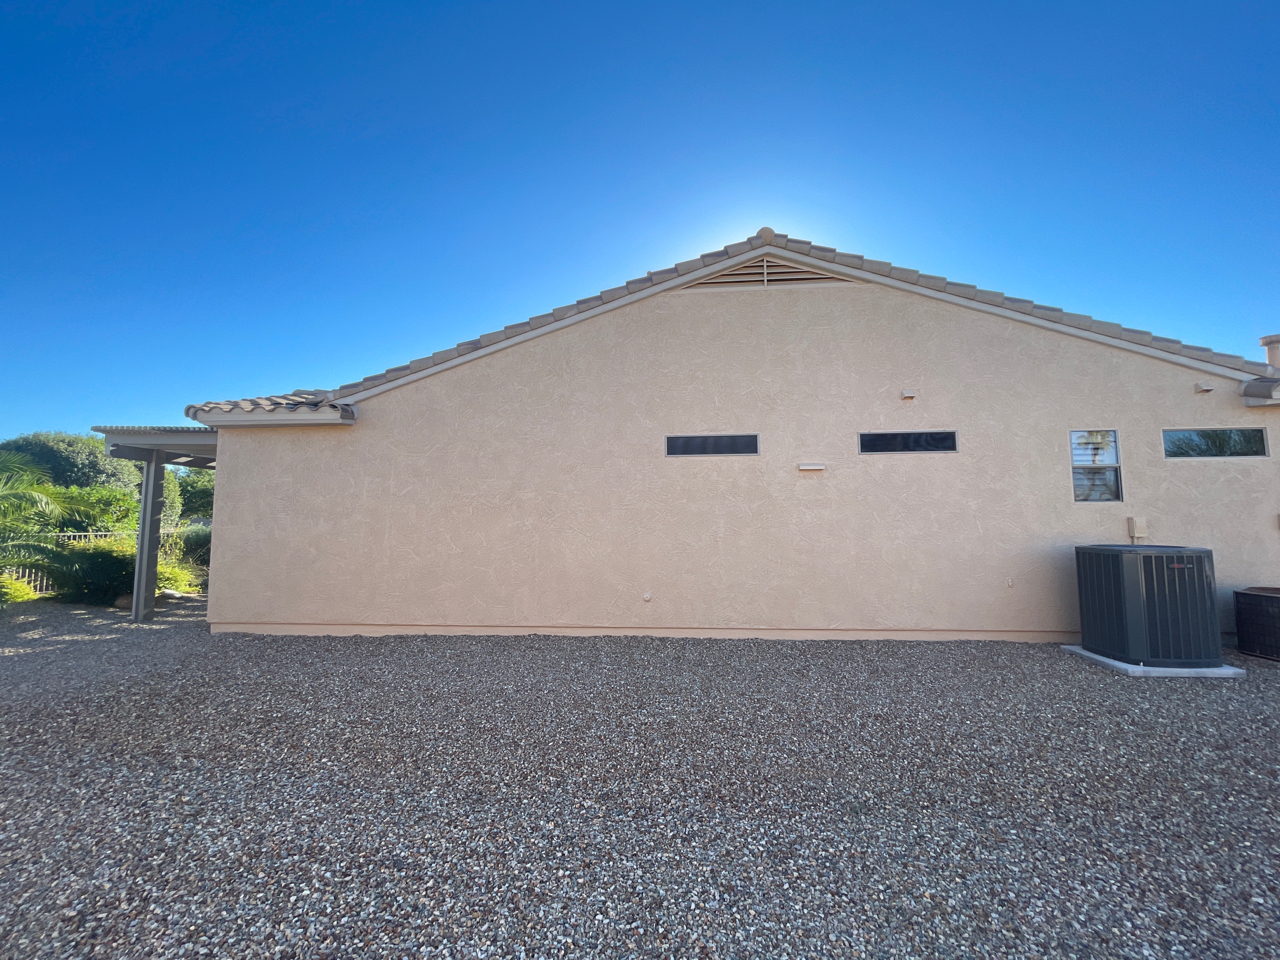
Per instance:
{"type": "Point", "coordinates": [766, 272]}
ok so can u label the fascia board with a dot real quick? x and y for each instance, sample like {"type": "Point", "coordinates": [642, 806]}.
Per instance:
{"type": "Point", "coordinates": [675, 283]}
{"type": "Point", "coordinates": [809, 263]}
{"type": "Point", "coordinates": [271, 418]}
{"type": "Point", "coordinates": [200, 445]}
{"type": "Point", "coordinates": [840, 270]}
{"type": "Point", "coordinates": [1062, 328]}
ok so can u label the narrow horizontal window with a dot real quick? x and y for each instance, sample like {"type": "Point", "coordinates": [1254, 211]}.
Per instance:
{"type": "Point", "coordinates": [1215, 443]}
{"type": "Point", "coordinates": [714, 445]}
{"type": "Point", "coordinates": [1095, 466]}
{"type": "Point", "coordinates": [933, 441]}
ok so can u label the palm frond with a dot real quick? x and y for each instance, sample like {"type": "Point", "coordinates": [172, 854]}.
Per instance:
{"type": "Point", "coordinates": [14, 464]}
{"type": "Point", "coordinates": [30, 510]}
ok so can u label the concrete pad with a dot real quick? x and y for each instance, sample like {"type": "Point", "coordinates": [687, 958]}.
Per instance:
{"type": "Point", "coordinates": [1133, 670]}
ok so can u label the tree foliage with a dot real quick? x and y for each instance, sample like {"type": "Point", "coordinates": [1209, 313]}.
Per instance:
{"type": "Point", "coordinates": [197, 492]}
{"type": "Point", "coordinates": [74, 460]}
{"type": "Point", "coordinates": [171, 515]}
{"type": "Point", "coordinates": [112, 509]}
{"type": "Point", "coordinates": [30, 509]}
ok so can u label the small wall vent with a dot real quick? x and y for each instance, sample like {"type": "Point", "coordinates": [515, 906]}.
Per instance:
{"type": "Point", "coordinates": [767, 272]}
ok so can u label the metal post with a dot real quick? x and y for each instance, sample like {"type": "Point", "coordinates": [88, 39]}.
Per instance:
{"type": "Point", "coordinates": [149, 511]}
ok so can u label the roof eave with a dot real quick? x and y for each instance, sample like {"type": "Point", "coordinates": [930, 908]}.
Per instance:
{"type": "Point", "coordinates": [331, 414]}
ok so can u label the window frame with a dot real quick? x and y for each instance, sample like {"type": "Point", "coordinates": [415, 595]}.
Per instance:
{"type": "Point", "coordinates": [900, 453]}
{"type": "Point", "coordinates": [1266, 443]}
{"type": "Point", "coordinates": [1117, 466]}
{"type": "Point", "coordinates": [689, 456]}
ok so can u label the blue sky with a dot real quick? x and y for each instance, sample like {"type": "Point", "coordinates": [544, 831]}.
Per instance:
{"type": "Point", "coordinates": [205, 201]}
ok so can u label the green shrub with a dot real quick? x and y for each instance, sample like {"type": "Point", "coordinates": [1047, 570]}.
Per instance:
{"type": "Point", "coordinates": [13, 590]}
{"type": "Point", "coordinates": [101, 571]}
{"type": "Point", "coordinates": [95, 572]}
{"type": "Point", "coordinates": [195, 544]}
{"type": "Point", "coordinates": [199, 578]}
{"type": "Point", "coordinates": [172, 576]}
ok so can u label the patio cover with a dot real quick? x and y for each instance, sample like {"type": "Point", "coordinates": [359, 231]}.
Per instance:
{"type": "Point", "coordinates": [151, 448]}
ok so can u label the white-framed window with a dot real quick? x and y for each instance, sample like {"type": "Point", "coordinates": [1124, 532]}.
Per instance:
{"type": "Point", "coordinates": [1199, 444]}
{"type": "Point", "coordinates": [1095, 466]}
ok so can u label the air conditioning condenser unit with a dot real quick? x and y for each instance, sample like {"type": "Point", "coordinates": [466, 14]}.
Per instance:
{"type": "Point", "coordinates": [1149, 605]}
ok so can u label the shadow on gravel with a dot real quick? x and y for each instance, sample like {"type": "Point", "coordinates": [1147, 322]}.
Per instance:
{"type": "Point", "coordinates": [57, 647]}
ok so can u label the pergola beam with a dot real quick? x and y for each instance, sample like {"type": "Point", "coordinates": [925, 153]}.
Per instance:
{"type": "Point", "coordinates": [122, 451]}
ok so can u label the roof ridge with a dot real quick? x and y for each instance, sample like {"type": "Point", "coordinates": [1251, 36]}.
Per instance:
{"type": "Point", "coordinates": [764, 239]}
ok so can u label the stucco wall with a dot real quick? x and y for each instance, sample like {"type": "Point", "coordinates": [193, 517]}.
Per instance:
{"type": "Point", "coordinates": [529, 490]}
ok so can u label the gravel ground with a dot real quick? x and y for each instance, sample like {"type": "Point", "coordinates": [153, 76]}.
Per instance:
{"type": "Point", "coordinates": [167, 793]}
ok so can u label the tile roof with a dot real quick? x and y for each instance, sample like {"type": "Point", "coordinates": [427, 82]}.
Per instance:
{"type": "Point", "coordinates": [312, 399]}
{"type": "Point", "coordinates": [298, 399]}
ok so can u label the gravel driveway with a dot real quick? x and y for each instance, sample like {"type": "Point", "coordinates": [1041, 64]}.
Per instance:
{"type": "Point", "coordinates": [168, 793]}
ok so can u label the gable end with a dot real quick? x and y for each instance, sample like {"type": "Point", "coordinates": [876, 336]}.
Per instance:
{"type": "Point", "coordinates": [797, 262]}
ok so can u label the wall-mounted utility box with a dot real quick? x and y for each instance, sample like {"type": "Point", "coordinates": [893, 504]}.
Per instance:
{"type": "Point", "coordinates": [1151, 605]}
{"type": "Point", "coordinates": [1258, 621]}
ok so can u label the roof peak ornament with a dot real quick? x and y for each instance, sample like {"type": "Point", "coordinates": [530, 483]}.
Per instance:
{"type": "Point", "coordinates": [766, 234]}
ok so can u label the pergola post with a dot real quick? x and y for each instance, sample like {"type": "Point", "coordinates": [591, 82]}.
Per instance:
{"type": "Point", "coordinates": [149, 513]}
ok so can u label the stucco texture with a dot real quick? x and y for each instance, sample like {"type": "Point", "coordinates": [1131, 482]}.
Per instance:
{"type": "Point", "coordinates": [529, 490]}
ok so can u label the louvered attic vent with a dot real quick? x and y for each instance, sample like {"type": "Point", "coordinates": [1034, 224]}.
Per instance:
{"type": "Point", "coordinates": [767, 273]}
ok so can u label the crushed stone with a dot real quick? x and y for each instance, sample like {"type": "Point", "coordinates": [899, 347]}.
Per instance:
{"type": "Point", "coordinates": [165, 792]}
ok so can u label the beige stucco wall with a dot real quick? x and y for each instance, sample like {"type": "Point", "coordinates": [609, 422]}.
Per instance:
{"type": "Point", "coordinates": [529, 491]}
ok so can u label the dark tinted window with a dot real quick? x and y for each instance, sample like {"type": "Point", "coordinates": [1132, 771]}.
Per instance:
{"type": "Point", "coordinates": [713, 446]}
{"type": "Point", "coordinates": [1214, 443]}
{"type": "Point", "coordinates": [938, 441]}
